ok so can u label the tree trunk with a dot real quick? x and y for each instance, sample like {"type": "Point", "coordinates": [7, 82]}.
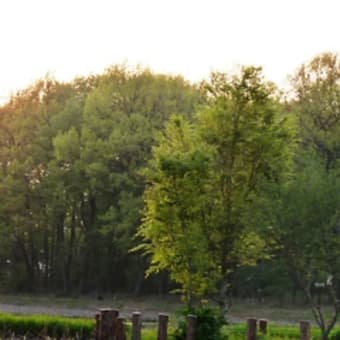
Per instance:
{"type": "Point", "coordinates": [223, 298]}
{"type": "Point", "coordinates": [28, 265]}
{"type": "Point", "coordinates": [58, 263]}
{"type": "Point", "coordinates": [69, 259]}
{"type": "Point", "coordinates": [46, 258]}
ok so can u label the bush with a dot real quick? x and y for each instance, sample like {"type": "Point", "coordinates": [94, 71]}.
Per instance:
{"type": "Point", "coordinates": [209, 323]}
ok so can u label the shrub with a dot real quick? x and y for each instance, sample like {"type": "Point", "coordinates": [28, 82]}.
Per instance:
{"type": "Point", "coordinates": [209, 323]}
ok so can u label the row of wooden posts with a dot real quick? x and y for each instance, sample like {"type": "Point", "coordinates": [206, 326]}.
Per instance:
{"type": "Point", "coordinates": [262, 328]}
{"type": "Point", "coordinates": [110, 326]}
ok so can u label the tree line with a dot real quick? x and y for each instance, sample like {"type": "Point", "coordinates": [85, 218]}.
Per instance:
{"type": "Point", "coordinates": [70, 185]}
{"type": "Point", "coordinates": [227, 185]}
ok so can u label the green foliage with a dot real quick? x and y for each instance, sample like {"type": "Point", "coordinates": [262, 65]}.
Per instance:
{"type": "Point", "coordinates": [269, 279]}
{"type": "Point", "coordinates": [302, 213]}
{"type": "Point", "coordinates": [203, 177]}
{"type": "Point", "coordinates": [38, 325]}
{"type": "Point", "coordinates": [220, 190]}
{"type": "Point", "coordinates": [175, 207]}
{"type": "Point", "coordinates": [317, 90]}
{"type": "Point", "coordinates": [209, 323]}
{"type": "Point", "coordinates": [301, 218]}
{"type": "Point", "coordinates": [70, 183]}
{"type": "Point", "coordinates": [335, 335]}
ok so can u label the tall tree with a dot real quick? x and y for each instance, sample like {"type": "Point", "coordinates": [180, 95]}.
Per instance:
{"type": "Point", "coordinates": [317, 90]}
{"type": "Point", "coordinates": [302, 220]}
{"type": "Point", "coordinates": [248, 142]}
{"type": "Point", "coordinates": [99, 163]}
{"type": "Point", "coordinates": [177, 209]}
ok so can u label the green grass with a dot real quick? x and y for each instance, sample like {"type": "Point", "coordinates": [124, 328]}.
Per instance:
{"type": "Point", "coordinates": [238, 332]}
{"type": "Point", "coordinates": [56, 327]}
{"type": "Point", "coordinates": [40, 325]}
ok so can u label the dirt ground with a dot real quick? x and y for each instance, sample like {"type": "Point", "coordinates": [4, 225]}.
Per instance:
{"type": "Point", "coordinates": [87, 307]}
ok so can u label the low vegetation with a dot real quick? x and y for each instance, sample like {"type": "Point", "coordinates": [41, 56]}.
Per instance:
{"type": "Point", "coordinates": [35, 326]}
{"type": "Point", "coordinates": [81, 328]}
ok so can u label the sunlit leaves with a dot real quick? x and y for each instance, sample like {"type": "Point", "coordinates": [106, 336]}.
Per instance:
{"type": "Point", "coordinates": [203, 177]}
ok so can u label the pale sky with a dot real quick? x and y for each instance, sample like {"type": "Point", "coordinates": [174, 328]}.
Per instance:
{"type": "Point", "coordinates": [190, 37]}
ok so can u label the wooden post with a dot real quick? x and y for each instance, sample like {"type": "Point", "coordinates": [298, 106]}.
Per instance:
{"type": "Point", "coordinates": [162, 326]}
{"type": "Point", "coordinates": [120, 330]}
{"type": "Point", "coordinates": [191, 327]}
{"type": "Point", "coordinates": [136, 326]}
{"type": "Point", "coordinates": [251, 329]}
{"type": "Point", "coordinates": [97, 329]}
{"type": "Point", "coordinates": [304, 330]}
{"type": "Point", "coordinates": [263, 326]}
{"type": "Point", "coordinates": [108, 321]}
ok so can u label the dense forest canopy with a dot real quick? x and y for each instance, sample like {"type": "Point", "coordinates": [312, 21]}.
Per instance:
{"type": "Point", "coordinates": [70, 186]}
{"type": "Point", "coordinates": [226, 186]}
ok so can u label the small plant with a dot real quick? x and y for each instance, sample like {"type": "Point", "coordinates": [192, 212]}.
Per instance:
{"type": "Point", "coordinates": [209, 323]}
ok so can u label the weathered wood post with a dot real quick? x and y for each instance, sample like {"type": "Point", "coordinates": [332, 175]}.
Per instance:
{"type": "Point", "coordinates": [97, 329]}
{"type": "Point", "coordinates": [251, 329]}
{"type": "Point", "coordinates": [263, 326]}
{"type": "Point", "coordinates": [305, 330]}
{"type": "Point", "coordinates": [136, 326]}
{"type": "Point", "coordinates": [191, 327]}
{"type": "Point", "coordinates": [163, 320]}
{"type": "Point", "coordinates": [120, 330]}
{"type": "Point", "coordinates": [107, 323]}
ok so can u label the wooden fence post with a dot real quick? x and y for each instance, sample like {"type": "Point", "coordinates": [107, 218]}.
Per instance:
{"type": "Point", "coordinates": [251, 329]}
{"type": "Point", "coordinates": [97, 329]}
{"type": "Point", "coordinates": [191, 327]}
{"type": "Point", "coordinates": [162, 326]}
{"type": "Point", "coordinates": [107, 323]}
{"type": "Point", "coordinates": [263, 326]}
{"type": "Point", "coordinates": [304, 330]}
{"type": "Point", "coordinates": [136, 326]}
{"type": "Point", "coordinates": [120, 330]}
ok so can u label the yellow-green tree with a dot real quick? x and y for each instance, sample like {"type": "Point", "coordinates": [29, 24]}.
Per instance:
{"type": "Point", "coordinates": [203, 178]}
{"type": "Point", "coordinates": [178, 206]}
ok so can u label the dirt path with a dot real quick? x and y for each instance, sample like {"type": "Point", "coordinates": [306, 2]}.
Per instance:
{"type": "Point", "coordinates": [28, 309]}
{"type": "Point", "coordinates": [86, 307]}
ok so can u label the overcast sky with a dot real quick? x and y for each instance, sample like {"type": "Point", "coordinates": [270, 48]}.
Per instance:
{"type": "Point", "coordinates": [190, 37]}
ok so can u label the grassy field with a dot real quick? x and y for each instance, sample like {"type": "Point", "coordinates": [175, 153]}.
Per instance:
{"type": "Point", "coordinates": [150, 306]}
{"type": "Point", "coordinates": [47, 327]}
{"type": "Point", "coordinates": [283, 320]}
